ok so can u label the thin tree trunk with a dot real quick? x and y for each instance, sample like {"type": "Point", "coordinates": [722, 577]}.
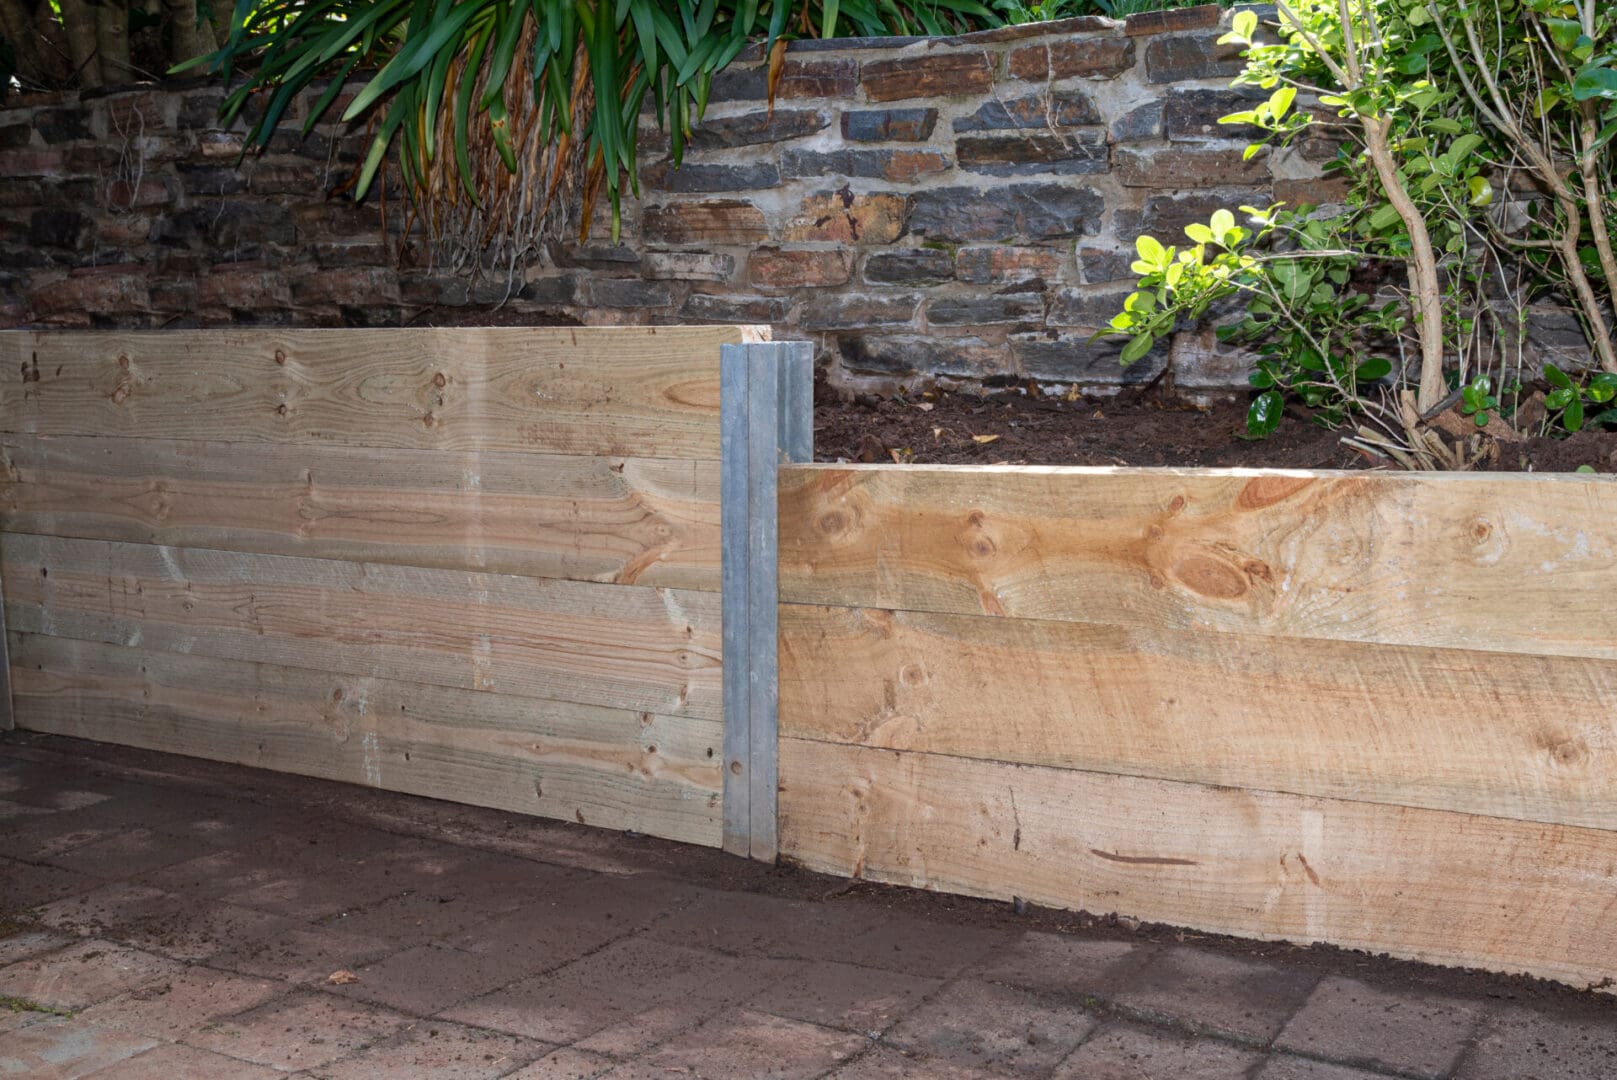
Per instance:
{"type": "Point", "coordinates": [17, 27]}
{"type": "Point", "coordinates": [190, 38]}
{"type": "Point", "coordinates": [1424, 282]}
{"type": "Point", "coordinates": [112, 40]}
{"type": "Point", "coordinates": [78, 26]}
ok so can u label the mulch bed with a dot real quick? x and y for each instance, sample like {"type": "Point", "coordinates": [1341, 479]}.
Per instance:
{"type": "Point", "coordinates": [1022, 427]}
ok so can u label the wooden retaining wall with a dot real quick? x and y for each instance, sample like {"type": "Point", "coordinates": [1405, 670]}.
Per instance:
{"type": "Point", "coordinates": [476, 564]}
{"type": "Point", "coordinates": [1377, 710]}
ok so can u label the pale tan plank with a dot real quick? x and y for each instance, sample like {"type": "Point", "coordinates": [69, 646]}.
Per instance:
{"type": "Point", "coordinates": [621, 646]}
{"type": "Point", "coordinates": [1485, 733]}
{"type": "Point", "coordinates": [626, 520]}
{"type": "Point", "coordinates": [1499, 562]}
{"type": "Point", "coordinates": [646, 391]}
{"type": "Point", "coordinates": [608, 767]}
{"type": "Point", "coordinates": [1445, 888]}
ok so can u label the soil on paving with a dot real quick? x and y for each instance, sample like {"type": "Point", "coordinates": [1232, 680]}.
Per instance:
{"type": "Point", "coordinates": [1022, 427]}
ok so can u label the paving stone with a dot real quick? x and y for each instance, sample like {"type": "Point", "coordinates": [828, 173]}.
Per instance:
{"type": "Point", "coordinates": [305, 1030]}
{"type": "Point", "coordinates": [1517, 1043]}
{"type": "Point", "coordinates": [567, 1063]}
{"type": "Point", "coordinates": [25, 885]}
{"type": "Point", "coordinates": [919, 946]}
{"type": "Point", "coordinates": [1054, 963]}
{"type": "Point", "coordinates": [1126, 1052]}
{"type": "Point", "coordinates": [860, 999]}
{"type": "Point", "coordinates": [741, 1044]}
{"type": "Point", "coordinates": [886, 1063]}
{"type": "Point", "coordinates": [83, 974]}
{"type": "Point", "coordinates": [29, 943]}
{"type": "Point", "coordinates": [1287, 1067]}
{"type": "Point", "coordinates": [1206, 991]}
{"type": "Point", "coordinates": [9, 810]}
{"type": "Point", "coordinates": [161, 922]}
{"type": "Point", "coordinates": [60, 1049]}
{"type": "Point", "coordinates": [177, 1062]}
{"type": "Point", "coordinates": [1354, 1023]}
{"type": "Point", "coordinates": [131, 852]}
{"type": "Point", "coordinates": [301, 954]}
{"type": "Point", "coordinates": [429, 978]}
{"type": "Point", "coordinates": [182, 1002]}
{"type": "Point", "coordinates": [433, 1050]}
{"type": "Point", "coordinates": [614, 984]}
{"type": "Point", "coordinates": [984, 1025]}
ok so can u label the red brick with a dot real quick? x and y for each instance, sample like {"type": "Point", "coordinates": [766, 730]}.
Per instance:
{"type": "Point", "coordinates": [933, 75]}
{"type": "Point", "coordinates": [354, 287]}
{"type": "Point", "coordinates": [121, 195]}
{"type": "Point", "coordinates": [244, 290]}
{"type": "Point", "coordinates": [997, 264]}
{"type": "Point", "coordinates": [779, 269]}
{"type": "Point", "coordinates": [104, 291]}
{"type": "Point", "coordinates": [1182, 168]}
{"type": "Point", "coordinates": [1204, 17]}
{"type": "Point", "coordinates": [1092, 58]}
{"type": "Point", "coordinates": [733, 222]}
{"type": "Point", "coordinates": [847, 218]}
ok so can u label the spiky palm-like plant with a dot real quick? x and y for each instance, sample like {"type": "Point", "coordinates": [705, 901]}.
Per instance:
{"type": "Point", "coordinates": [504, 114]}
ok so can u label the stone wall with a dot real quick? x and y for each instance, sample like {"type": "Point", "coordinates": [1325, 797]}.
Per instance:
{"type": "Point", "coordinates": [921, 208]}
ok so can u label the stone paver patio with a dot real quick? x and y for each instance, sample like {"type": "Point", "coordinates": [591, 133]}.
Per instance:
{"type": "Point", "coordinates": [171, 919]}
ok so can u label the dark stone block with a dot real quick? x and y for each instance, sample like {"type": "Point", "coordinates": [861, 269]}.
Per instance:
{"type": "Point", "coordinates": [60, 228]}
{"type": "Point", "coordinates": [708, 307]}
{"type": "Point", "coordinates": [1204, 17]}
{"type": "Point", "coordinates": [1075, 358]}
{"type": "Point", "coordinates": [1033, 152]}
{"type": "Point", "coordinates": [759, 127]}
{"type": "Point", "coordinates": [899, 166]}
{"type": "Point", "coordinates": [1090, 308]}
{"type": "Point", "coordinates": [853, 311]}
{"type": "Point", "coordinates": [1180, 59]}
{"type": "Point", "coordinates": [903, 354]}
{"type": "Point", "coordinates": [1194, 114]}
{"type": "Point", "coordinates": [1165, 216]}
{"type": "Point", "coordinates": [889, 125]}
{"type": "Point", "coordinates": [630, 293]}
{"type": "Point", "coordinates": [1064, 108]}
{"type": "Point", "coordinates": [1031, 211]}
{"type": "Point", "coordinates": [1022, 307]}
{"type": "Point", "coordinates": [13, 136]}
{"type": "Point", "coordinates": [63, 125]}
{"type": "Point", "coordinates": [211, 179]}
{"type": "Point", "coordinates": [557, 290]}
{"type": "Point", "coordinates": [911, 266]}
{"type": "Point", "coordinates": [1138, 124]}
{"type": "Point", "coordinates": [695, 178]}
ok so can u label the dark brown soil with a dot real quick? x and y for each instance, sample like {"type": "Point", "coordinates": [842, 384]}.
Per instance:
{"type": "Point", "coordinates": [1019, 428]}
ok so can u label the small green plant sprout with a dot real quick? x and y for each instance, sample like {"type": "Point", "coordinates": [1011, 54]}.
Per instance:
{"type": "Point", "coordinates": [1478, 401]}
{"type": "Point", "coordinates": [1569, 400]}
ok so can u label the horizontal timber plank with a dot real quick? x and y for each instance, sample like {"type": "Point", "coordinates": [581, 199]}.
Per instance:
{"type": "Point", "coordinates": [1486, 733]}
{"type": "Point", "coordinates": [626, 520]}
{"type": "Point", "coordinates": [621, 646]}
{"type": "Point", "coordinates": [608, 767]}
{"type": "Point", "coordinates": [645, 391]}
{"type": "Point", "coordinates": [1496, 562]}
{"type": "Point", "coordinates": [1421, 884]}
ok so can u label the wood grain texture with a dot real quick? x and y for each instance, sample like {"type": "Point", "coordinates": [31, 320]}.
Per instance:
{"type": "Point", "coordinates": [1485, 733]}
{"type": "Point", "coordinates": [605, 767]}
{"type": "Point", "coordinates": [645, 391]}
{"type": "Point", "coordinates": [1496, 562]}
{"type": "Point", "coordinates": [621, 646]}
{"type": "Point", "coordinates": [625, 520]}
{"type": "Point", "coordinates": [1440, 887]}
